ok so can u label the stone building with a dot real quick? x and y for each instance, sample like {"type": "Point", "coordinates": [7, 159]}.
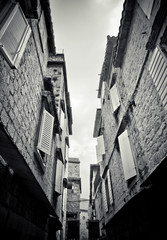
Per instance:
{"type": "Point", "coordinates": [73, 200]}
{"type": "Point", "coordinates": [83, 219]}
{"type": "Point", "coordinates": [35, 122]}
{"type": "Point", "coordinates": [131, 126]}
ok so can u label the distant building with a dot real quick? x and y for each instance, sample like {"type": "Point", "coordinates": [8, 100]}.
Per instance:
{"type": "Point", "coordinates": [73, 200]}
{"type": "Point", "coordinates": [35, 122]}
{"type": "Point", "coordinates": [131, 127]}
{"type": "Point", "coordinates": [83, 219]}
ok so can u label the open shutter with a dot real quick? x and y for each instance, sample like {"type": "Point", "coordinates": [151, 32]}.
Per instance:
{"type": "Point", "coordinates": [126, 156]}
{"type": "Point", "coordinates": [62, 120]}
{"type": "Point", "coordinates": [102, 91]}
{"type": "Point", "coordinates": [43, 31]}
{"type": "Point", "coordinates": [114, 98]}
{"type": "Point", "coordinates": [100, 149]}
{"type": "Point", "coordinates": [146, 6]}
{"type": "Point", "coordinates": [105, 206]}
{"type": "Point", "coordinates": [46, 132]}
{"type": "Point", "coordinates": [14, 35]}
{"type": "Point", "coordinates": [59, 173]}
{"type": "Point", "coordinates": [158, 72]}
{"type": "Point", "coordinates": [109, 187]}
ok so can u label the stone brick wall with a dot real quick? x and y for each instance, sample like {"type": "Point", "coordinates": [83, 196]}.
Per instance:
{"type": "Point", "coordinates": [20, 104]}
{"type": "Point", "coordinates": [29, 217]}
{"type": "Point", "coordinates": [145, 115]}
{"type": "Point", "coordinates": [83, 220]}
{"type": "Point", "coordinates": [73, 167]}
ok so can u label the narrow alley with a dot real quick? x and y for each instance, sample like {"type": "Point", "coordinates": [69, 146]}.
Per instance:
{"type": "Point", "coordinates": [55, 183]}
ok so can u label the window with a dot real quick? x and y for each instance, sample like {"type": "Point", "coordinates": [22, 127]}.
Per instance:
{"type": "Point", "coordinates": [100, 149]}
{"type": "Point", "coordinates": [14, 34]}
{"type": "Point", "coordinates": [114, 98]}
{"type": "Point", "coordinates": [158, 72]}
{"type": "Point", "coordinates": [45, 133]}
{"type": "Point", "coordinates": [126, 156]}
{"type": "Point", "coordinates": [146, 6]}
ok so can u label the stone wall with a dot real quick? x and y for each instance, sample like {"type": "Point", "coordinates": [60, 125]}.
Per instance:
{"type": "Point", "coordinates": [20, 105]}
{"type": "Point", "coordinates": [145, 115]}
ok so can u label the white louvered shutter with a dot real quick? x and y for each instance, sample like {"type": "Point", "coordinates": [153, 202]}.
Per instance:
{"type": "Point", "coordinates": [114, 98]}
{"type": "Point", "coordinates": [102, 92]}
{"type": "Point", "coordinates": [14, 35]}
{"type": "Point", "coordinates": [126, 156]}
{"type": "Point", "coordinates": [59, 174]}
{"type": "Point", "coordinates": [109, 187]}
{"type": "Point", "coordinates": [146, 6]}
{"type": "Point", "coordinates": [100, 149]}
{"type": "Point", "coordinates": [46, 133]}
{"type": "Point", "coordinates": [62, 119]}
{"type": "Point", "coordinates": [100, 143]}
{"type": "Point", "coordinates": [43, 31]}
{"type": "Point", "coordinates": [98, 154]}
{"type": "Point", "coordinates": [105, 205]}
{"type": "Point", "coordinates": [158, 72]}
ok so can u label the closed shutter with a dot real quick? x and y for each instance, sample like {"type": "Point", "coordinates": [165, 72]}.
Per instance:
{"type": "Point", "coordinates": [114, 98]}
{"type": "Point", "coordinates": [126, 156]}
{"type": "Point", "coordinates": [105, 206]}
{"type": "Point", "coordinates": [14, 35]}
{"type": "Point", "coordinates": [158, 72]}
{"type": "Point", "coordinates": [58, 179]}
{"type": "Point", "coordinates": [46, 132]}
{"type": "Point", "coordinates": [109, 187]}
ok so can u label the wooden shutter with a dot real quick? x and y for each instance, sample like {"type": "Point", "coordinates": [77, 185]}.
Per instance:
{"type": "Point", "coordinates": [105, 206]}
{"type": "Point", "coordinates": [62, 119]}
{"type": "Point", "coordinates": [42, 31]}
{"type": "Point", "coordinates": [100, 143]}
{"type": "Point", "coordinates": [100, 149]}
{"type": "Point", "coordinates": [126, 156]}
{"type": "Point", "coordinates": [102, 91]}
{"type": "Point", "coordinates": [109, 187]}
{"type": "Point", "coordinates": [158, 72]}
{"type": "Point", "coordinates": [114, 97]}
{"type": "Point", "coordinates": [14, 35]}
{"type": "Point", "coordinates": [46, 132]}
{"type": "Point", "coordinates": [59, 174]}
{"type": "Point", "coordinates": [146, 6]}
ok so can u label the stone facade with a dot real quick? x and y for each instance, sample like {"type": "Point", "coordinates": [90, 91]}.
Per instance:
{"type": "Point", "coordinates": [26, 91]}
{"type": "Point", "coordinates": [134, 111]}
{"type": "Point", "coordinates": [73, 199]}
{"type": "Point", "coordinates": [83, 219]}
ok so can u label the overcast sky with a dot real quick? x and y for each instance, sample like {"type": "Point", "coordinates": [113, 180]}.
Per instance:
{"type": "Point", "coordinates": [81, 28]}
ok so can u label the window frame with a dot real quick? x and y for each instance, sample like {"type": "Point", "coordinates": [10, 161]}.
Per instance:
{"type": "Point", "coordinates": [10, 11]}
